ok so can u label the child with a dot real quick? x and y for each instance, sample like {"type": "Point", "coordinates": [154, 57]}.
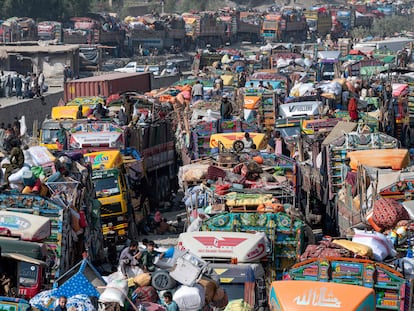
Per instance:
{"type": "Point", "coordinates": [169, 303]}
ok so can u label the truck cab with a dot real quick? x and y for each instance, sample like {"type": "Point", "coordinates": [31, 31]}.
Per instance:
{"type": "Point", "coordinates": [110, 182]}
{"type": "Point", "coordinates": [241, 280]}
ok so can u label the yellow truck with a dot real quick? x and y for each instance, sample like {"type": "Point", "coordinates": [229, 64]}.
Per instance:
{"type": "Point", "coordinates": [319, 21]}
{"type": "Point", "coordinates": [110, 182]}
{"type": "Point", "coordinates": [60, 115]}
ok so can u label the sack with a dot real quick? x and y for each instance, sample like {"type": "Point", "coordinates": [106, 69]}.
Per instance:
{"type": "Point", "coordinates": [210, 288]}
{"type": "Point", "coordinates": [387, 212]}
{"type": "Point", "coordinates": [325, 249]}
{"type": "Point", "coordinates": [116, 291]}
{"type": "Point", "coordinates": [220, 299]}
{"type": "Point", "coordinates": [381, 246]}
{"type": "Point", "coordinates": [149, 306]}
{"type": "Point", "coordinates": [189, 298]}
{"type": "Point", "coordinates": [143, 279]}
{"type": "Point", "coordinates": [357, 248]}
{"type": "Point", "coordinates": [145, 294]}
{"type": "Point", "coordinates": [238, 305]}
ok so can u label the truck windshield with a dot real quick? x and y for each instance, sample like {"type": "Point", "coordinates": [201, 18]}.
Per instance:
{"type": "Point", "coordinates": [5, 306]}
{"type": "Point", "coordinates": [106, 186]}
{"type": "Point", "coordinates": [234, 290]}
{"type": "Point", "coordinates": [49, 136]}
{"type": "Point", "coordinates": [28, 274]}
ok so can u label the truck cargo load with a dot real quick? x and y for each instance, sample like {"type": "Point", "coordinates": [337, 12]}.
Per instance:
{"type": "Point", "coordinates": [108, 84]}
{"type": "Point", "coordinates": [27, 227]}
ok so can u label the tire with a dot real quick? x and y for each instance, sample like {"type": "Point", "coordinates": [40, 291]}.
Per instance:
{"type": "Point", "coordinates": [238, 146]}
{"type": "Point", "coordinates": [161, 280]}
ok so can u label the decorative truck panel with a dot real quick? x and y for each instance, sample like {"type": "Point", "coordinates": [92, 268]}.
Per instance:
{"type": "Point", "coordinates": [107, 84]}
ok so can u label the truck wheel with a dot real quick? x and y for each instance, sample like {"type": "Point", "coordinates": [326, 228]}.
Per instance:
{"type": "Point", "coordinates": [161, 280]}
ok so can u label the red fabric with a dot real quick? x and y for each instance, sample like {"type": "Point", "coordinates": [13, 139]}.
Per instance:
{"type": "Point", "coordinates": [149, 306]}
{"type": "Point", "coordinates": [82, 219]}
{"type": "Point", "coordinates": [146, 294]}
{"type": "Point", "coordinates": [325, 249]}
{"type": "Point", "coordinates": [388, 212]}
{"type": "Point", "coordinates": [353, 109]}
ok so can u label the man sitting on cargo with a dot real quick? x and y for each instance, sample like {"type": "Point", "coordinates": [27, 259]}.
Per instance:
{"type": "Point", "coordinates": [130, 256]}
{"type": "Point", "coordinates": [16, 158]}
{"type": "Point", "coordinates": [148, 257]}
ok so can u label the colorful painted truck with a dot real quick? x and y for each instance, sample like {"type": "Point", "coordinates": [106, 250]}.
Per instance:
{"type": "Point", "coordinates": [234, 261]}
{"type": "Point", "coordinates": [72, 224]}
{"type": "Point", "coordinates": [110, 181]}
{"type": "Point", "coordinates": [319, 20]}
{"type": "Point", "coordinates": [286, 26]}
{"type": "Point", "coordinates": [392, 291]}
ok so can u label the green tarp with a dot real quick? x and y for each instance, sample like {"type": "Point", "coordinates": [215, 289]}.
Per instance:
{"type": "Point", "coordinates": [371, 70]}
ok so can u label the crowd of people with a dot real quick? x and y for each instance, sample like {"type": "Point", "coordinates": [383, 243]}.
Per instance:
{"type": "Point", "coordinates": [28, 85]}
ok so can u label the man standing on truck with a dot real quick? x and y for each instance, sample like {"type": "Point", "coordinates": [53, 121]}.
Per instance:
{"type": "Point", "coordinates": [197, 92]}
{"type": "Point", "coordinates": [226, 108]}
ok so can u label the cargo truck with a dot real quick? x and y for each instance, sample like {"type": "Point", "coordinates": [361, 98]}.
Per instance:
{"type": "Point", "coordinates": [319, 21]}
{"type": "Point", "coordinates": [50, 30]}
{"type": "Point", "coordinates": [287, 26]}
{"type": "Point", "coordinates": [108, 84]}
{"type": "Point", "coordinates": [110, 182]}
{"type": "Point", "coordinates": [234, 262]}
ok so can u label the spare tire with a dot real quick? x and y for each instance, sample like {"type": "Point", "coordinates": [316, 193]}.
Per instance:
{"type": "Point", "coordinates": [238, 145]}
{"type": "Point", "coordinates": [161, 280]}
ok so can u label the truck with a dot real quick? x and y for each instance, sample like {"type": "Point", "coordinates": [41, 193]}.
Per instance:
{"type": "Point", "coordinates": [35, 249]}
{"type": "Point", "coordinates": [234, 262]}
{"type": "Point", "coordinates": [22, 258]}
{"type": "Point", "coordinates": [155, 69]}
{"type": "Point", "coordinates": [155, 32]}
{"type": "Point", "coordinates": [107, 84]}
{"type": "Point", "coordinates": [319, 21]}
{"type": "Point", "coordinates": [344, 17]}
{"type": "Point", "coordinates": [93, 29]}
{"type": "Point", "coordinates": [110, 183]}
{"type": "Point", "coordinates": [50, 30]}
{"type": "Point", "coordinates": [204, 28]}
{"type": "Point", "coordinates": [287, 26]}
{"type": "Point", "coordinates": [240, 26]}
{"type": "Point", "coordinates": [17, 29]}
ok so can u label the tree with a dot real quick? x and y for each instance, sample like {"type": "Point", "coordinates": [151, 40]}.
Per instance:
{"type": "Point", "coordinates": [45, 9]}
{"type": "Point", "coordinates": [387, 26]}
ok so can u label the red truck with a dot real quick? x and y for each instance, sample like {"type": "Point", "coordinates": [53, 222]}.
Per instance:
{"type": "Point", "coordinates": [108, 84]}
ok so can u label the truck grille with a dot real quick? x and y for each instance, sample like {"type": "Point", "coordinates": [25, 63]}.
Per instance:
{"type": "Point", "coordinates": [114, 208]}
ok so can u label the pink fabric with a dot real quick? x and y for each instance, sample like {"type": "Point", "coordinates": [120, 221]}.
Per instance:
{"type": "Point", "coordinates": [278, 147]}
{"type": "Point", "coordinates": [157, 217]}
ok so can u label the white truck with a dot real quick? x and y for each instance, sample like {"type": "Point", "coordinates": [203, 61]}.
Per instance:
{"type": "Point", "coordinates": [135, 67]}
